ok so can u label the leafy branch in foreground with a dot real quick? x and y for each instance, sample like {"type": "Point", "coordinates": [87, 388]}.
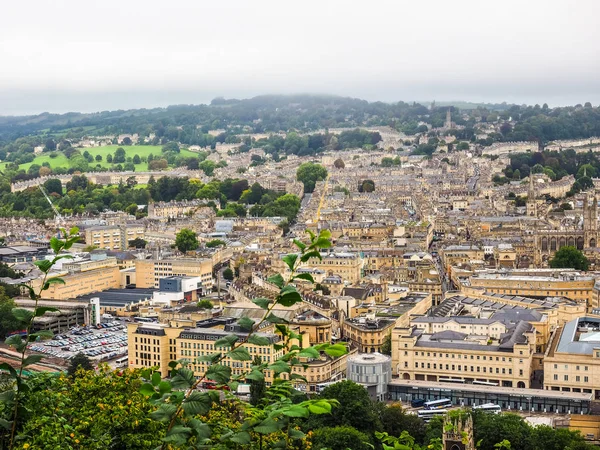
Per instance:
{"type": "Point", "coordinates": [12, 398]}
{"type": "Point", "coordinates": [181, 405]}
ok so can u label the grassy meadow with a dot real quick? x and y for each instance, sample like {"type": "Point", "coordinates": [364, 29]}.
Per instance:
{"type": "Point", "coordinates": [62, 161]}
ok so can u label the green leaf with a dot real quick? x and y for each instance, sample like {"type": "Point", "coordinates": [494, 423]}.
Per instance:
{"type": "Point", "coordinates": [147, 389]}
{"type": "Point", "coordinates": [325, 234]}
{"type": "Point", "coordinates": [268, 426]}
{"type": "Point", "coordinates": [277, 280]}
{"type": "Point", "coordinates": [255, 375]}
{"type": "Point", "coordinates": [156, 378]}
{"type": "Point", "coordinates": [297, 376]}
{"type": "Point", "coordinates": [198, 403]}
{"type": "Point", "coordinates": [319, 407]}
{"type": "Point", "coordinates": [22, 315]}
{"type": "Point", "coordinates": [258, 340]}
{"type": "Point", "coordinates": [301, 245]}
{"type": "Point", "coordinates": [336, 350]}
{"type": "Point", "coordinates": [296, 411]}
{"type": "Point", "coordinates": [290, 261]}
{"type": "Point", "coordinates": [246, 323]}
{"type": "Point", "coordinates": [178, 435]}
{"type": "Point", "coordinates": [311, 254]}
{"type": "Point", "coordinates": [164, 412]}
{"type": "Point", "coordinates": [41, 310]}
{"type": "Point", "coordinates": [226, 341]}
{"type": "Point", "coordinates": [183, 379]}
{"type": "Point", "coordinates": [304, 276]}
{"type": "Point", "coordinates": [219, 373]}
{"type": "Point", "coordinates": [14, 340]}
{"type": "Point", "coordinates": [289, 296]}
{"type": "Point", "coordinates": [212, 359]}
{"type": "Point", "coordinates": [50, 281]}
{"type": "Point", "coordinates": [262, 302]}
{"type": "Point", "coordinates": [296, 434]}
{"type": "Point", "coordinates": [9, 368]}
{"type": "Point", "coordinates": [44, 334]}
{"type": "Point", "coordinates": [242, 438]}
{"type": "Point", "coordinates": [233, 385]}
{"type": "Point", "coordinates": [322, 243]}
{"type": "Point", "coordinates": [272, 318]}
{"type": "Point", "coordinates": [239, 354]}
{"type": "Point", "coordinates": [6, 424]}
{"type": "Point", "coordinates": [56, 245]}
{"type": "Point", "coordinates": [309, 352]}
{"type": "Point", "coordinates": [164, 387]}
{"type": "Point", "coordinates": [311, 234]}
{"type": "Point", "coordinates": [43, 264]}
{"type": "Point", "coordinates": [32, 359]}
{"type": "Point", "coordinates": [279, 367]}
{"type": "Point", "coordinates": [201, 429]}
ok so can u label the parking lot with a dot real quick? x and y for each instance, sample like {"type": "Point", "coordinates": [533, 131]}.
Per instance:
{"type": "Point", "coordinates": [107, 341]}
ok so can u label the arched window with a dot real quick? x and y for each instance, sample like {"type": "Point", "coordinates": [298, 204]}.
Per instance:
{"type": "Point", "coordinates": [561, 242]}
{"type": "Point", "coordinates": [544, 244]}
{"type": "Point", "coordinates": [593, 243]}
{"type": "Point", "coordinates": [579, 243]}
{"type": "Point", "coordinates": [553, 244]}
{"type": "Point", "coordinates": [571, 241]}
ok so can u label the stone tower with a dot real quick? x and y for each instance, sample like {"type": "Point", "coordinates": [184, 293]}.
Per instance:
{"type": "Point", "coordinates": [531, 203]}
{"type": "Point", "coordinates": [458, 434]}
{"type": "Point", "coordinates": [448, 123]}
{"type": "Point", "coordinates": [590, 220]}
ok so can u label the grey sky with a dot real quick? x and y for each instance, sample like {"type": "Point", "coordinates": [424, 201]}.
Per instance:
{"type": "Point", "coordinates": [87, 56]}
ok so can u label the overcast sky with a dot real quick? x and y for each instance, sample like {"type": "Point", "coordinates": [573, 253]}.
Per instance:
{"type": "Point", "coordinates": [72, 55]}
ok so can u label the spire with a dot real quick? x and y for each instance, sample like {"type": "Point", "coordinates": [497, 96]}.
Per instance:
{"type": "Point", "coordinates": [531, 192]}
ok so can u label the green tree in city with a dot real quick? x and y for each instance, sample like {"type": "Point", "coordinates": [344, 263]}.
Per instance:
{"type": "Point", "coordinates": [186, 240]}
{"type": "Point", "coordinates": [309, 173]}
{"type": "Point", "coordinates": [386, 345]}
{"type": "Point", "coordinates": [205, 304]}
{"type": "Point", "coordinates": [228, 274]}
{"type": "Point", "coordinates": [79, 361]}
{"type": "Point", "coordinates": [340, 438]}
{"type": "Point", "coordinates": [568, 257]}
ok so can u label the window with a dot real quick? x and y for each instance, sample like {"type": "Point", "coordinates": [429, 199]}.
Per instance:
{"type": "Point", "coordinates": [566, 377]}
{"type": "Point", "coordinates": [585, 379]}
{"type": "Point", "coordinates": [555, 377]}
{"type": "Point", "coordinates": [577, 378]}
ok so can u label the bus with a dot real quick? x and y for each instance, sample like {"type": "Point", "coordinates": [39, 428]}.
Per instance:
{"type": "Point", "coordinates": [417, 402]}
{"type": "Point", "coordinates": [452, 380]}
{"type": "Point", "coordinates": [488, 408]}
{"type": "Point", "coordinates": [485, 383]}
{"type": "Point", "coordinates": [122, 362]}
{"type": "Point", "coordinates": [145, 319]}
{"type": "Point", "coordinates": [319, 387]}
{"type": "Point", "coordinates": [427, 415]}
{"type": "Point", "coordinates": [438, 404]}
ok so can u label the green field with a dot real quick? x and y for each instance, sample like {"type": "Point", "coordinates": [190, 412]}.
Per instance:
{"type": "Point", "coordinates": [141, 150]}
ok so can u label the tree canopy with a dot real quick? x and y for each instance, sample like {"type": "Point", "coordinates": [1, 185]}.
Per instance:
{"type": "Point", "coordinates": [309, 173]}
{"type": "Point", "coordinates": [186, 240]}
{"type": "Point", "coordinates": [569, 257]}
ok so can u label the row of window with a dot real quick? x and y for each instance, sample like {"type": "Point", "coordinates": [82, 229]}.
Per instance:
{"type": "Point", "coordinates": [460, 356]}
{"type": "Point", "coordinates": [585, 368]}
{"type": "Point", "coordinates": [466, 368]}
{"type": "Point", "coordinates": [577, 378]}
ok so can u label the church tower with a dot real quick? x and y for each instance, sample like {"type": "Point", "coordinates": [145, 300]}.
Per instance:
{"type": "Point", "coordinates": [531, 202]}
{"type": "Point", "coordinates": [458, 434]}
{"type": "Point", "coordinates": [590, 220]}
{"type": "Point", "coordinates": [448, 123]}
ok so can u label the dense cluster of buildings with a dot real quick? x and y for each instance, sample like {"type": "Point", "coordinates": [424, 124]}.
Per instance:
{"type": "Point", "coordinates": [435, 279]}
